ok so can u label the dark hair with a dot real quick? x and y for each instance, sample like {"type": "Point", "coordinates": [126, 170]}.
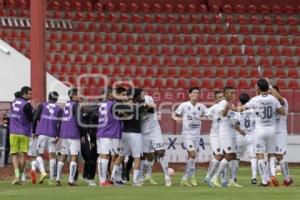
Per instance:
{"type": "Point", "coordinates": [17, 94]}
{"type": "Point", "coordinates": [72, 91]}
{"type": "Point", "coordinates": [217, 92]}
{"type": "Point", "coordinates": [244, 98]}
{"type": "Point", "coordinates": [192, 89]}
{"type": "Point", "coordinates": [228, 88]}
{"type": "Point", "coordinates": [120, 90]}
{"type": "Point", "coordinates": [134, 92]}
{"type": "Point", "coordinates": [53, 96]}
{"type": "Point", "coordinates": [263, 85]}
{"type": "Point", "coordinates": [25, 90]}
{"type": "Point", "coordinates": [276, 88]}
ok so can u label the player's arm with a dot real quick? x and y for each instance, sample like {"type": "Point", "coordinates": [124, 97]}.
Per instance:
{"type": "Point", "coordinates": [177, 114]}
{"type": "Point", "coordinates": [277, 95]}
{"type": "Point", "coordinates": [238, 128]}
{"type": "Point", "coordinates": [281, 111]}
{"type": "Point", "coordinates": [36, 117]}
{"type": "Point", "coordinates": [225, 109]}
{"type": "Point", "coordinates": [28, 111]}
{"type": "Point", "coordinates": [77, 116]}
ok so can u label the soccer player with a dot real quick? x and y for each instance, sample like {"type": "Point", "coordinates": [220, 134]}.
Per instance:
{"type": "Point", "coordinates": [265, 107]}
{"type": "Point", "coordinates": [70, 133]}
{"type": "Point", "coordinates": [152, 143]}
{"type": "Point", "coordinates": [246, 122]}
{"type": "Point", "coordinates": [212, 113]}
{"type": "Point", "coordinates": [109, 132]}
{"type": "Point", "coordinates": [189, 114]}
{"type": "Point", "coordinates": [21, 116]}
{"type": "Point", "coordinates": [281, 140]}
{"type": "Point", "coordinates": [46, 125]}
{"type": "Point", "coordinates": [227, 136]}
{"type": "Point", "coordinates": [131, 143]}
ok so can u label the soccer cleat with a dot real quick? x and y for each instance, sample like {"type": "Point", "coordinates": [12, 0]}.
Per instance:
{"type": "Point", "coordinates": [33, 176]}
{"type": "Point", "coordinates": [215, 183]}
{"type": "Point", "coordinates": [274, 181]}
{"type": "Point", "coordinates": [193, 181]}
{"type": "Point", "coordinates": [58, 183]}
{"type": "Point", "coordinates": [16, 181]}
{"type": "Point", "coordinates": [225, 184]}
{"type": "Point", "coordinates": [185, 183]}
{"type": "Point", "coordinates": [72, 184]}
{"type": "Point", "coordinates": [43, 177]}
{"type": "Point", "coordinates": [168, 182]}
{"type": "Point", "coordinates": [137, 185]}
{"type": "Point", "coordinates": [150, 180]}
{"type": "Point", "coordinates": [91, 183]}
{"type": "Point", "coordinates": [254, 181]}
{"type": "Point", "coordinates": [269, 184]}
{"type": "Point", "coordinates": [234, 184]}
{"type": "Point", "coordinates": [50, 182]}
{"type": "Point", "coordinates": [118, 183]}
{"type": "Point", "coordinates": [208, 182]}
{"type": "Point", "coordinates": [105, 184]}
{"type": "Point", "coordinates": [288, 182]}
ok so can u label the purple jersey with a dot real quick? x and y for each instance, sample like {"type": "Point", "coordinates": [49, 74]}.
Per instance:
{"type": "Point", "coordinates": [49, 118]}
{"type": "Point", "coordinates": [19, 123]}
{"type": "Point", "coordinates": [108, 125]}
{"type": "Point", "coordinates": [69, 126]}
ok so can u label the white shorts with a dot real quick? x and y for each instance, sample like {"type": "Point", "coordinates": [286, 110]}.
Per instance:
{"type": "Point", "coordinates": [70, 145]}
{"type": "Point", "coordinates": [108, 146]}
{"type": "Point", "coordinates": [191, 144]}
{"type": "Point", "coordinates": [32, 147]}
{"type": "Point", "coordinates": [215, 145]}
{"type": "Point", "coordinates": [245, 145]}
{"type": "Point", "coordinates": [228, 144]}
{"type": "Point", "coordinates": [131, 144]}
{"type": "Point", "coordinates": [46, 143]}
{"type": "Point", "coordinates": [281, 143]}
{"type": "Point", "coordinates": [152, 142]}
{"type": "Point", "coordinates": [264, 142]}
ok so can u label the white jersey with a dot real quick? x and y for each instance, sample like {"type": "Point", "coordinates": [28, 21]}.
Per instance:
{"type": "Point", "coordinates": [246, 121]}
{"type": "Point", "coordinates": [281, 120]}
{"type": "Point", "coordinates": [227, 123]}
{"type": "Point", "coordinates": [265, 107]}
{"type": "Point", "coordinates": [191, 123]}
{"type": "Point", "coordinates": [213, 114]}
{"type": "Point", "coordinates": [149, 122]}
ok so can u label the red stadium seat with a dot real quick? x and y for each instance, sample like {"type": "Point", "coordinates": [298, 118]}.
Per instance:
{"type": "Point", "coordinates": [134, 7]}
{"type": "Point", "coordinates": [280, 73]}
{"type": "Point", "coordinates": [192, 8]}
{"type": "Point", "coordinates": [206, 83]}
{"type": "Point", "coordinates": [252, 9]}
{"type": "Point", "coordinates": [218, 84]}
{"type": "Point", "coordinates": [251, 61]}
{"type": "Point", "coordinates": [292, 21]}
{"type": "Point", "coordinates": [268, 73]}
{"type": "Point", "coordinates": [225, 51]}
{"type": "Point", "coordinates": [170, 83]}
{"type": "Point", "coordinates": [123, 61]}
{"type": "Point", "coordinates": [242, 19]}
{"type": "Point", "coordinates": [229, 19]}
{"type": "Point", "coordinates": [216, 62]}
{"type": "Point", "coordinates": [249, 51]}
{"type": "Point", "coordinates": [159, 83]}
{"type": "Point", "coordinates": [181, 83]}
{"type": "Point", "coordinates": [274, 51]}
{"type": "Point", "coordinates": [160, 72]}
{"type": "Point", "coordinates": [293, 84]}
{"type": "Point", "coordinates": [289, 62]}
{"type": "Point", "coordinates": [288, 9]}
{"type": "Point", "coordinates": [208, 73]}
{"type": "Point", "coordinates": [196, 73]}
{"type": "Point", "coordinates": [262, 51]}
{"type": "Point", "coordinates": [147, 83]}
{"type": "Point", "coordinates": [240, 8]}
{"type": "Point", "coordinates": [236, 50]}
{"type": "Point", "coordinates": [293, 73]}
{"type": "Point", "coordinates": [264, 61]}
{"type": "Point", "coordinates": [243, 84]}
{"type": "Point", "coordinates": [228, 61]}
{"type": "Point", "coordinates": [281, 84]}
{"type": "Point", "coordinates": [231, 83]}
{"type": "Point", "coordinates": [145, 7]}
{"type": "Point", "coordinates": [243, 73]}
{"type": "Point", "coordinates": [277, 62]}
{"type": "Point", "coordinates": [227, 9]}
{"type": "Point", "coordinates": [232, 73]}
{"type": "Point", "coordinates": [194, 83]}
{"type": "Point", "coordinates": [264, 9]}
{"type": "Point", "coordinates": [240, 61]}
{"type": "Point", "coordinates": [220, 73]}
{"type": "Point", "coordinates": [254, 73]}
{"type": "Point", "coordinates": [184, 73]}
{"type": "Point", "coordinates": [157, 8]}
{"type": "Point", "coordinates": [192, 62]}
{"type": "Point", "coordinates": [190, 51]}
{"type": "Point", "coordinates": [276, 9]}
{"type": "Point", "coordinates": [139, 72]}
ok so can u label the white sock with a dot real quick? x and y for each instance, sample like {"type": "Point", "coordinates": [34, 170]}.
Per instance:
{"type": "Point", "coordinates": [136, 175]}
{"type": "Point", "coordinates": [73, 167]}
{"type": "Point", "coordinates": [115, 173]}
{"type": "Point", "coordinates": [103, 164]}
{"type": "Point", "coordinates": [254, 167]}
{"type": "Point", "coordinates": [149, 166]}
{"type": "Point", "coordinates": [224, 175]}
{"type": "Point", "coordinates": [40, 161]}
{"type": "Point", "coordinates": [234, 166]}
{"type": "Point", "coordinates": [284, 168]}
{"type": "Point", "coordinates": [273, 166]}
{"type": "Point", "coordinates": [165, 167]}
{"type": "Point", "coordinates": [60, 166]}
{"type": "Point", "coordinates": [187, 173]}
{"type": "Point", "coordinates": [142, 169]}
{"type": "Point", "coordinates": [262, 168]}
{"type": "Point", "coordinates": [222, 166]}
{"type": "Point", "coordinates": [23, 177]}
{"type": "Point", "coordinates": [212, 169]}
{"type": "Point", "coordinates": [52, 163]}
{"type": "Point", "coordinates": [192, 163]}
{"type": "Point", "coordinates": [34, 164]}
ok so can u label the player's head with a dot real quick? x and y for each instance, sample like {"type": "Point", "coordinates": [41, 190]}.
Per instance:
{"type": "Point", "coordinates": [26, 92]}
{"type": "Point", "coordinates": [73, 94]}
{"type": "Point", "coordinates": [136, 94]}
{"type": "Point", "coordinates": [229, 93]}
{"type": "Point", "coordinates": [244, 98]}
{"type": "Point", "coordinates": [263, 85]}
{"type": "Point", "coordinates": [218, 96]}
{"type": "Point", "coordinates": [120, 94]}
{"type": "Point", "coordinates": [17, 94]}
{"type": "Point", "coordinates": [53, 96]}
{"type": "Point", "coordinates": [194, 93]}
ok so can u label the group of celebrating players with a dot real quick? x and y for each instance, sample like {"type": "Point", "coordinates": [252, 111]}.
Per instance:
{"type": "Point", "coordinates": [127, 126]}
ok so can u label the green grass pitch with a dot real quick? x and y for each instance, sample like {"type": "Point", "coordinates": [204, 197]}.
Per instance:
{"type": "Point", "coordinates": [158, 192]}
